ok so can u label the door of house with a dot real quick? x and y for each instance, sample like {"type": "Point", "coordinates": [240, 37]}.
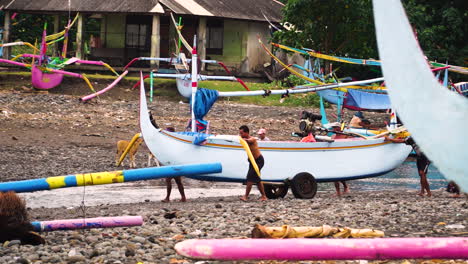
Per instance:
{"type": "Point", "coordinates": [138, 37]}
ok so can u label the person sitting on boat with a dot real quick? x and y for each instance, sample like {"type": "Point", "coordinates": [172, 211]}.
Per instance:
{"type": "Point", "coordinates": [252, 176]}
{"type": "Point", "coordinates": [356, 120]}
{"type": "Point", "coordinates": [178, 181]}
{"type": "Point", "coordinates": [365, 123]}
{"type": "Point", "coordinates": [262, 135]}
{"type": "Point", "coordinates": [422, 162]}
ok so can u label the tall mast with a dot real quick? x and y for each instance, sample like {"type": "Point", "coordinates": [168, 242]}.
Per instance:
{"type": "Point", "coordinates": [194, 81]}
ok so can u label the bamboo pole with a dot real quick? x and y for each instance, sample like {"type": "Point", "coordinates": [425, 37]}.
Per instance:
{"type": "Point", "coordinates": [109, 177]}
{"type": "Point", "coordinates": [87, 223]}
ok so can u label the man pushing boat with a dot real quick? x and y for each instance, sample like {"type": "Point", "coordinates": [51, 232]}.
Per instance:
{"type": "Point", "coordinates": [252, 175]}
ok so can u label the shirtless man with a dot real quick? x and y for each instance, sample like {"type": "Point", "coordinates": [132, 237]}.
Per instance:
{"type": "Point", "coordinates": [252, 176]}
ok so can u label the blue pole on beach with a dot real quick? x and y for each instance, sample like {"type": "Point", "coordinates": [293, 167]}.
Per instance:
{"type": "Point", "coordinates": [109, 177]}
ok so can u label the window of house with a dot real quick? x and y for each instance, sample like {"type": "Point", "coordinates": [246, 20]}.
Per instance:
{"type": "Point", "coordinates": [214, 36]}
{"type": "Point", "coordinates": [138, 34]}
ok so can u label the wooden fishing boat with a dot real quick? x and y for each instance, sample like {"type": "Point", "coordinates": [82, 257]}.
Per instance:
{"type": "Point", "coordinates": [296, 164]}
{"type": "Point", "coordinates": [427, 108]}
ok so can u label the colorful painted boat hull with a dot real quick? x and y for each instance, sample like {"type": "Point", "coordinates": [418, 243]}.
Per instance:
{"type": "Point", "coordinates": [42, 80]}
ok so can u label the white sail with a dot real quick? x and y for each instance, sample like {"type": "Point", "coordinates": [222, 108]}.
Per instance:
{"type": "Point", "coordinates": [436, 117]}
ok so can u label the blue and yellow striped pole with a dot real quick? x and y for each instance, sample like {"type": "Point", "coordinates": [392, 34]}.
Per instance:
{"type": "Point", "coordinates": [109, 177]}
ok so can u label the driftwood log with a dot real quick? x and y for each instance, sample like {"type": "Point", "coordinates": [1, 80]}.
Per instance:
{"type": "Point", "coordinates": [14, 221]}
{"type": "Point", "coordinates": [286, 231]}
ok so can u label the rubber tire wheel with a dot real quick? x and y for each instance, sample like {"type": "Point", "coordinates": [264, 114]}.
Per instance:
{"type": "Point", "coordinates": [275, 191]}
{"type": "Point", "coordinates": [304, 186]}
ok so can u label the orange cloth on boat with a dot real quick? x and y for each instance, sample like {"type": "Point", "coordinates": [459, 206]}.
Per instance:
{"type": "Point", "coordinates": [309, 138]}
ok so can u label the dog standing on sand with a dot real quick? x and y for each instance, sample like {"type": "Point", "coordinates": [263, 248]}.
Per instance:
{"type": "Point", "coordinates": [122, 146]}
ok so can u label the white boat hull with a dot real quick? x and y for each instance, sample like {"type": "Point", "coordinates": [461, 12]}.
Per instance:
{"type": "Point", "coordinates": [184, 86]}
{"type": "Point", "coordinates": [339, 160]}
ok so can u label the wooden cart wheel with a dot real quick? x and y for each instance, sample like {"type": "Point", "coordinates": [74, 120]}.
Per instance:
{"type": "Point", "coordinates": [304, 186]}
{"type": "Point", "coordinates": [274, 191]}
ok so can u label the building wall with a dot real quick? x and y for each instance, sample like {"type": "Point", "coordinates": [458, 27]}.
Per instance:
{"type": "Point", "coordinates": [115, 37]}
{"type": "Point", "coordinates": [241, 49]}
{"type": "Point", "coordinates": [256, 55]}
{"type": "Point", "coordinates": [234, 43]}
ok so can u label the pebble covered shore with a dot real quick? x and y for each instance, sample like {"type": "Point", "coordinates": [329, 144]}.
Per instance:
{"type": "Point", "coordinates": [398, 214]}
{"type": "Point", "coordinates": [43, 135]}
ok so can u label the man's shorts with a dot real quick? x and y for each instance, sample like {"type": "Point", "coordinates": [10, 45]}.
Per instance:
{"type": "Point", "coordinates": [252, 175]}
{"type": "Point", "coordinates": [422, 162]}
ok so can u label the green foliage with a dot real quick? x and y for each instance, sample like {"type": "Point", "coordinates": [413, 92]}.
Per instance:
{"type": "Point", "coordinates": [334, 27]}
{"type": "Point", "coordinates": [346, 28]}
{"type": "Point", "coordinates": [28, 28]}
{"type": "Point", "coordinates": [441, 28]}
{"type": "Point", "coordinates": [295, 80]}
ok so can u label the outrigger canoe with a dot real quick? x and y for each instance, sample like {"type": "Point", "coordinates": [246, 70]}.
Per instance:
{"type": "Point", "coordinates": [296, 164]}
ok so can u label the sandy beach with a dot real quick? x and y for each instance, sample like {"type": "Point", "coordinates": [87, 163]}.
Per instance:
{"type": "Point", "coordinates": [50, 134]}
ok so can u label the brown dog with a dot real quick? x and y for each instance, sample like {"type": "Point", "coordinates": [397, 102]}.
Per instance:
{"type": "Point", "coordinates": [122, 145]}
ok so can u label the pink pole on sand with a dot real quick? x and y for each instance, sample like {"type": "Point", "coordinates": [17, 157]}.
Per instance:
{"type": "Point", "coordinates": [105, 89]}
{"type": "Point", "coordinates": [86, 223]}
{"type": "Point", "coordinates": [325, 249]}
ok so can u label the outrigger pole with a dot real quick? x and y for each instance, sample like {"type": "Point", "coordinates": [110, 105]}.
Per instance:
{"type": "Point", "coordinates": [299, 89]}
{"type": "Point", "coordinates": [109, 177]}
{"type": "Point", "coordinates": [194, 81]}
{"type": "Point", "coordinates": [87, 223]}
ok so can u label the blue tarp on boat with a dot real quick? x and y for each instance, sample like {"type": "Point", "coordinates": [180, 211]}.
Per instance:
{"type": "Point", "coordinates": [198, 138]}
{"type": "Point", "coordinates": [204, 100]}
{"type": "Point", "coordinates": [366, 100]}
